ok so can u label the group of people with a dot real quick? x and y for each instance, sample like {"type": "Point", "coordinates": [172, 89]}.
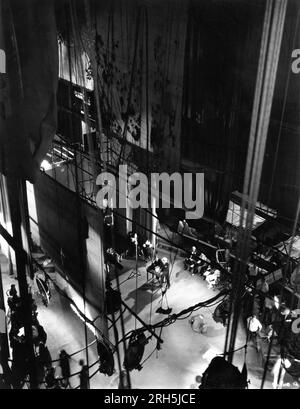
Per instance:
{"type": "Point", "coordinates": [268, 317]}
{"type": "Point", "coordinates": [51, 380]}
{"type": "Point", "coordinates": [138, 248]}
{"type": "Point", "coordinates": [46, 374]}
{"type": "Point", "coordinates": [59, 377]}
{"type": "Point", "coordinates": [134, 248]}
{"type": "Point", "coordinates": [160, 269]}
{"type": "Point", "coordinates": [198, 264]}
{"type": "Point", "coordinates": [20, 348]}
{"type": "Point", "coordinates": [270, 322]}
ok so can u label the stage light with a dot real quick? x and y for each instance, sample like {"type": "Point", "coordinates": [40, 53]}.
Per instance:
{"type": "Point", "coordinates": [45, 165]}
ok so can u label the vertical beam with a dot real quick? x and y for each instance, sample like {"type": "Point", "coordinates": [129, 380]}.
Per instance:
{"type": "Point", "coordinates": [82, 251]}
{"type": "Point", "coordinates": [3, 110]}
{"type": "Point", "coordinates": [26, 239]}
{"type": "Point", "coordinates": [121, 314]}
{"type": "Point", "coordinates": [5, 219]}
{"type": "Point", "coordinates": [14, 192]}
{"type": "Point", "coordinates": [4, 350]}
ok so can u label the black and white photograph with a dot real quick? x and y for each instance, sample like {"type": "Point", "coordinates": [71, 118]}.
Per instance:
{"type": "Point", "coordinates": [149, 197]}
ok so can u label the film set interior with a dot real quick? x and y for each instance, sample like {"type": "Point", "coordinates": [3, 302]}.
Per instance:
{"type": "Point", "coordinates": [106, 282]}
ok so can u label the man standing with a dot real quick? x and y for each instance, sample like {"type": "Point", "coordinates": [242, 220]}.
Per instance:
{"type": "Point", "coordinates": [254, 327]}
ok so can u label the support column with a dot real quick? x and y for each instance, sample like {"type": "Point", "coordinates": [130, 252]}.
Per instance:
{"type": "Point", "coordinates": [14, 192]}
{"type": "Point", "coordinates": [4, 350]}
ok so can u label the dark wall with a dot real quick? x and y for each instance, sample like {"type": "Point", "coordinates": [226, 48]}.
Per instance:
{"type": "Point", "coordinates": [222, 51]}
{"type": "Point", "coordinates": [57, 216]}
{"type": "Point", "coordinates": [222, 56]}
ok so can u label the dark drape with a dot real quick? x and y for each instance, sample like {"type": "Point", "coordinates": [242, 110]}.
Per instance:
{"type": "Point", "coordinates": [222, 49]}
{"type": "Point", "coordinates": [29, 111]}
{"type": "Point", "coordinates": [216, 197]}
{"type": "Point", "coordinates": [280, 184]}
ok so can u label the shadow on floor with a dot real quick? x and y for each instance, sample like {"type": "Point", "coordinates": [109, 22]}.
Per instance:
{"type": "Point", "coordinates": [144, 298]}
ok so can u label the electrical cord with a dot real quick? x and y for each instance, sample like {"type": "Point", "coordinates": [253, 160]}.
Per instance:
{"type": "Point", "coordinates": [174, 317]}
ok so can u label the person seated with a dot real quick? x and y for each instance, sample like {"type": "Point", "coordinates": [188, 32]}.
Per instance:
{"type": "Point", "coordinates": [203, 264]}
{"type": "Point", "coordinates": [194, 252]}
{"type": "Point", "coordinates": [147, 250]}
{"type": "Point", "coordinates": [207, 272]}
{"type": "Point", "coordinates": [113, 258]}
{"type": "Point", "coordinates": [212, 278]}
{"type": "Point", "coordinates": [157, 263]}
{"type": "Point", "coordinates": [193, 261]}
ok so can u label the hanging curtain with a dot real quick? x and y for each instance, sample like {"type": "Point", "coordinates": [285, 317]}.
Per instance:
{"type": "Point", "coordinates": [280, 184]}
{"type": "Point", "coordinates": [216, 197]}
{"type": "Point", "coordinates": [29, 119]}
{"type": "Point", "coordinates": [222, 44]}
{"type": "Point", "coordinates": [138, 48]}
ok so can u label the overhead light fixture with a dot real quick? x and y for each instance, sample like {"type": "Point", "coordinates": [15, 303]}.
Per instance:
{"type": "Point", "coordinates": [45, 165]}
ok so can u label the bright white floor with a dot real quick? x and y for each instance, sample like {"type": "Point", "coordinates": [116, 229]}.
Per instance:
{"type": "Point", "coordinates": [184, 353]}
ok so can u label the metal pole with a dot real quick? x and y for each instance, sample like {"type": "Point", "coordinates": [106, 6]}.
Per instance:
{"type": "Point", "coordinates": [14, 191]}
{"type": "Point", "coordinates": [82, 250]}
{"type": "Point", "coordinates": [4, 350]}
{"type": "Point", "coordinates": [142, 322]}
{"type": "Point", "coordinates": [121, 316]}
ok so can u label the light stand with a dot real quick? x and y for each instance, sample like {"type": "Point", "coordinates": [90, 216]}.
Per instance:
{"type": "Point", "coordinates": [135, 272]}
